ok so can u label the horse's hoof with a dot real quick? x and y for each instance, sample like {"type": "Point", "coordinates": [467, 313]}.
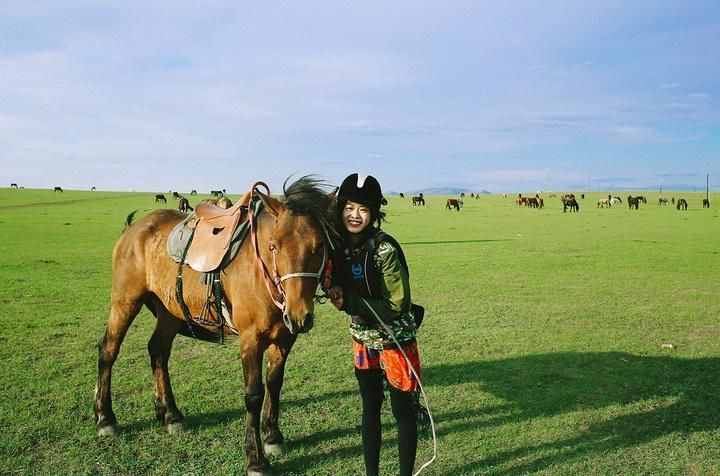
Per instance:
{"type": "Point", "coordinates": [107, 430]}
{"type": "Point", "coordinates": [252, 472]}
{"type": "Point", "coordinates": [175, 428]}
{"type": "Point", "coordinates": [273, 449]}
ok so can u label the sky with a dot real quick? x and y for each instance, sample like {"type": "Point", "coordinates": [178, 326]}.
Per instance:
{"type": "Point", "coordinates": [483, 95]}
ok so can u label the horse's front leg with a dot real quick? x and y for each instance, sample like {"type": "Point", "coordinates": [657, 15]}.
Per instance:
{"type": "Point", "coordinates": [276, 357]}
{"type": "Point", "coordinates": [122, 313]}
{"type": "Point", "coordinates": [256, 464]}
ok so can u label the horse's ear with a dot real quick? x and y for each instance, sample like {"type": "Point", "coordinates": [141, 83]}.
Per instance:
{"type": "Point", "coordinates": [273, 205]}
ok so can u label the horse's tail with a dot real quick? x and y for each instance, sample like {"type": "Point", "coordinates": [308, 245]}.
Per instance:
{"type": "Point", "coordinates": [129, 219]}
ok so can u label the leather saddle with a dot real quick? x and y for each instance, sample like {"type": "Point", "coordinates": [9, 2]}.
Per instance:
{"type": "Point", "coordinates": [214, 232]}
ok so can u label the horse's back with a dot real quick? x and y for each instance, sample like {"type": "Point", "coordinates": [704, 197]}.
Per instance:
{"type": "Point", "coordinates": [139, 254]}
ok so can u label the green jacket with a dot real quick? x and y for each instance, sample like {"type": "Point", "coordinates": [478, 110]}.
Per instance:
{"type": "Point", "coordinates": [377, 286]}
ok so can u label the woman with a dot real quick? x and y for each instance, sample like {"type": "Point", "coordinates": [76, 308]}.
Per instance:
{"type": "Point", "coordinates": [372, 286]}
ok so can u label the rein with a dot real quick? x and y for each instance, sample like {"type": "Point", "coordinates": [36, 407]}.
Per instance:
{"type": "Point", "coordinates": [275, 279]}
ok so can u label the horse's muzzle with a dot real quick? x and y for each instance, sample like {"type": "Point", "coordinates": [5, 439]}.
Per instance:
{"type": "Point", "coordinates": [302, 327]}
{"type": "Point", "coordinates": [307, 324]}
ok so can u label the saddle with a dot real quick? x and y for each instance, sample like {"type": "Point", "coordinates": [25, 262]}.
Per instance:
{"type": "Point", "coordinates": [209, 239]}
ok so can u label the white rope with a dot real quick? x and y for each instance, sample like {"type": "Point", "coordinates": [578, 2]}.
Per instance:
{"type": "Point", "coordinates": [417, 377]}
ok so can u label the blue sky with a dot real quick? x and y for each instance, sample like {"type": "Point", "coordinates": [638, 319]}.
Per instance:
{"type": "Point", "coordinates": [532, 95]}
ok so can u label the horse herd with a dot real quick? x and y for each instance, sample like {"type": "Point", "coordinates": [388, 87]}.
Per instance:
{"type": "Point", "coordinates": [218, 199]}
{"type": "Point", "coordinates": [569, 202]}
{"type": "Point", "coordinates": [55, 189]}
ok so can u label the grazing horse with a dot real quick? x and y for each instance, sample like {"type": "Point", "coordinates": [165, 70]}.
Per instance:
{"type": "Point", "coordinates": [184, 205]}
{"type": "Point", "coordinates": [682, 204]}
{"type": "Point", "coordinates": [14, 185]}
{"type": "Point", "coordinates": [58, 189]}
{"type": "Point", "coordinates": [706, 203]}
{"type": "Point", "coordinates": [193, 192]}
{"type": "Point", "coordinates": [269, 287]}
{"type": "Point", "coordinates": [453, 203]}
{"type": "Point", "coordinates": [604, 202]}
{"type": "Point", "coordinates": [663, 201]}
{"type": "Point", "coordinates": [634, 202]}
{"type": "Point", "coordinates": [672, 200]}
{"type": "Point", "coordinates": [418, 200]}
{"type": "Point", "coordinates": [176, 196]}
{"type": "Point", "coordinates": [569, 202]}
{"type": "Point", "coordinates": [402, 195]}
{"type": "Point", "coordinates": [216, 193]}
{"type": "Point", "coordinates": [615, 200]}
{"type": "Point", "coordinates": [160, 198]}
{"type": "Point", "coordinates": [533, 202]}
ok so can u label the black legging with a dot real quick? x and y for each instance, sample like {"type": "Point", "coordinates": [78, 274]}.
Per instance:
{"type": "Point", "coordinates": [405, 412]}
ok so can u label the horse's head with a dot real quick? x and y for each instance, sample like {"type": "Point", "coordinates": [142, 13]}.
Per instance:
{"type": "Point", "coordinates": [298, 249]}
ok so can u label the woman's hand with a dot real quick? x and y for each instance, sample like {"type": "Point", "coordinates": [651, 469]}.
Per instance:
{"type": "Point", "coordinates": [335, 294]}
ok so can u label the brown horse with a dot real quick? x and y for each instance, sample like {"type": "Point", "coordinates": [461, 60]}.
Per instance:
{"type": "Point", "coordinates": [269, 287]}
{"type": "Point", "coordinates": [453, 203]}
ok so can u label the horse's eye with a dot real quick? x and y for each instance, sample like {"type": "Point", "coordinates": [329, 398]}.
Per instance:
{"type": "Point", "coordinates": [273, 246]}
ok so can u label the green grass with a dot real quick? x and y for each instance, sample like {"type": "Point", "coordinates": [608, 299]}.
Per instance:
{"type": "Point", "coordinates": [542, 347]}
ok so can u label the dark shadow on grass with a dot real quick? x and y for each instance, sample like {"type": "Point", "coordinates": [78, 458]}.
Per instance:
{"type": "Point", "coordinates": [546, 385]}
{"type": "Point", "coordinates": [668, 395]}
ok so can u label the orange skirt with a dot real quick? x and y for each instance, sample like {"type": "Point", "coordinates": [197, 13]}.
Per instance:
{"type": "Point", "coordinates": [392, 362]}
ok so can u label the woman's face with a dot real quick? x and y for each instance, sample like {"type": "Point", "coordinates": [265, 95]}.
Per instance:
{"type": "Point", "coordinates": [355, 217]}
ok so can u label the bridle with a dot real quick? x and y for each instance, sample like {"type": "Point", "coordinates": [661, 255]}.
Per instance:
{"type": "Point", "coordinates": [275, 279]}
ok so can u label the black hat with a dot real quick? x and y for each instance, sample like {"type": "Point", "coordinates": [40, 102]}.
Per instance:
{"type": "Point", "coordinates": [361, 189]}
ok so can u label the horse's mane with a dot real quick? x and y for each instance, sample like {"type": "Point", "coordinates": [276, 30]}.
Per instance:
{"type": "Point", "coordinates": [310, 195]}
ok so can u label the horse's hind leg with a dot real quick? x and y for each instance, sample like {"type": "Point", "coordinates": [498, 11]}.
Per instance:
{"type": "Point", "coordinates": [276, 358]}
{"type": "Point", "coordinates": [122, 314]}
{"type": "Point", "coordinates": [159, 348]}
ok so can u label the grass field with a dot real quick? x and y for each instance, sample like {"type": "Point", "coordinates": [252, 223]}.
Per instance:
{"type": "Point", "coordinates": [542, 347]}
